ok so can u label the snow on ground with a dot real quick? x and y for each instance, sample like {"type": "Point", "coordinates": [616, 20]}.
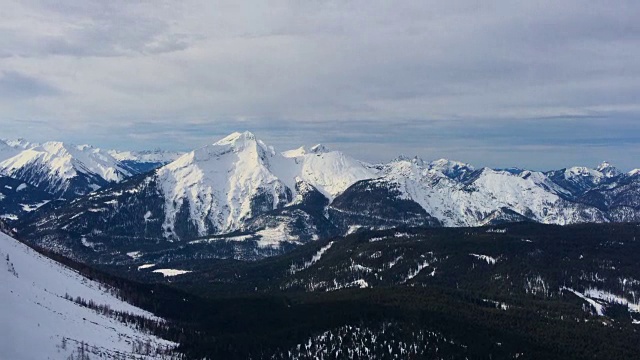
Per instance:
{"type": "Point", "coordinates": [146, 266]}
{"type": "Point", "coordinates": [36, 317]}
{"type": "Point", "coordinates": [597, 306]}
{"type": "Point", "coordinates": [33, 207]}
{"type": "Point", "coordinates": [134, 254]}
{"type": "Point", "coordinates": [171, 272]}
{"type": "Point", "coordinates": [272, 237]}
{"type": "Point", "coordinates": [611, 298]}
{"type": "Point", "coordinates": [316, 257]}
{"type": "Point", "coordinates": [393, 262]}
{"type": "Point", "coordinates": [414, 273]}
{"type": "Point", "coordinates": [9, 216]}
{"type": "Point", "coordinates": [490, 260]}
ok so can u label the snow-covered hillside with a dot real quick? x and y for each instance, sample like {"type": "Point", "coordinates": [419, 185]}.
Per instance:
{"type": "Point", "coordinates": [65, 170]}
{"type": "Point", "coordinates": [40, 322]}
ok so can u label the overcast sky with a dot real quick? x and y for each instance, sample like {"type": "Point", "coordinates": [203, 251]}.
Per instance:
{"type": "Point", "coordinates": [537, 84]}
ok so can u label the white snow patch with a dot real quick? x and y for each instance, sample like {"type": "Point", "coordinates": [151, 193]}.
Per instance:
{"type": "Point", "coordinates": [9, 216]}
{"type": "Point", "coordinates": [272, 237]}
{"type": "Point", "coordinates": [314, 259]}
{"type": "Point", "coordinates": [171, 272]}
{"type": "Point", "coordinates": [414, 273]}
{"type": "Point", "coordinates": [134, 254]}
{"type": "Point", "coordinates": [33, 207]}
{"type": "Point", "coordinates": [359, 283]}
{"type": "Point", "coordinates": [608, 297]}
{"type": "Point", "coordinates": [490, 260]}
{"type": "Point", "coordinates": [393, 262]}
{"type": "Point", "coordinates": [146, 266]}
{"type": "Point", "coordinates": [597, 306]}
{"type": "Point", "coordinates": [352, 229]}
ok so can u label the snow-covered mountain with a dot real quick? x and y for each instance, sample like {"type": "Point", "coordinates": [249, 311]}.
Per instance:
{"type": "Point", "coordinates": [65, 170]}
{"type": "Point", "coordinates": [240, 190]}
{"type": "Point", "coordinates": [237, 184]}
{"type": "Point", "coordinates": [331, 172]}
{"type": "Point", "coordinates": [579, 179]}
{"type": "Point", "coordinates": [42, 320]}
{"type": "Point", "coordinates": [475, 200]}
{"type": "Point", "coordinates": [146, 160]}
{"type": "Point", "coordinates": [11, 148]}
{"type": "Point", "coordinates": [453, 169]}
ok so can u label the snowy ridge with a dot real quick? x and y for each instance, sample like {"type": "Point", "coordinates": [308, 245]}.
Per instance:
{"type": "Point", "coordinates": [331, 172]}
{"type": "Point", "coordinates": [454, 203]}
{"type": "Point", "coordinates": [146, 156]}
{"type": "Point", "coordinates": [45, 324]}
{"type": "Point", "coordinates": [53, 166]}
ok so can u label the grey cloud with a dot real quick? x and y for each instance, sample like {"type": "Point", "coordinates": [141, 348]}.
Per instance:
{"type": "Point", "coordinates": [482, 82]}
{"type": "Point", "coordinates": [16, 85]}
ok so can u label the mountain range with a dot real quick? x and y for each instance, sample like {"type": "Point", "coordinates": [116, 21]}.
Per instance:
{"type": "Point", "coordinates": [239, 197]}
{"type": "Point", "coordinates": [410, 258]}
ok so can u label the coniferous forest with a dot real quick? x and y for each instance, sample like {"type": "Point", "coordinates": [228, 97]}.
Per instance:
{"type": "Point", "coordinates": [514, 291]}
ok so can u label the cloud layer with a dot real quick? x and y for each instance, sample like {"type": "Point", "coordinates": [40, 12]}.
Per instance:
{"type": "Point", "coordinates": [543, 84]}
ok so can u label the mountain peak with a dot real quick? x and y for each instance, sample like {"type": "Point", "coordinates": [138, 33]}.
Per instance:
{"type": "Point", "coordinates": [607, 169]}
{"type": "Point", "coordinates": [301, 151]}
{"type": "Point", "coordinates": [319, 149]}
{"type": "Point", "coordinates": [235, 137]}
{"type": "Point", "coordinates": [415, 160]}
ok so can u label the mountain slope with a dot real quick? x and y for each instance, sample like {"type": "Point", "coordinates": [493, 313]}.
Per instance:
{"type": "Point", "coordinates": [42, 321]}
{"type": "Point", "coordinates": [221, 185]}
{"type": "Point", "coordinates": [18, 198]}
{"type": "Point", "coordinates": [579, 179]}
{"type": "Point", "coordinates": [331, 172]}
{"type": "Point", "coordinates": [470, 202]}
{"type": "Point", "coordinates": [65, 170]}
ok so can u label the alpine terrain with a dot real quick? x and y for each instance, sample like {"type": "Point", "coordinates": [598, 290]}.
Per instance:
{"type": "Point", "coordinates": [240, 198]}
